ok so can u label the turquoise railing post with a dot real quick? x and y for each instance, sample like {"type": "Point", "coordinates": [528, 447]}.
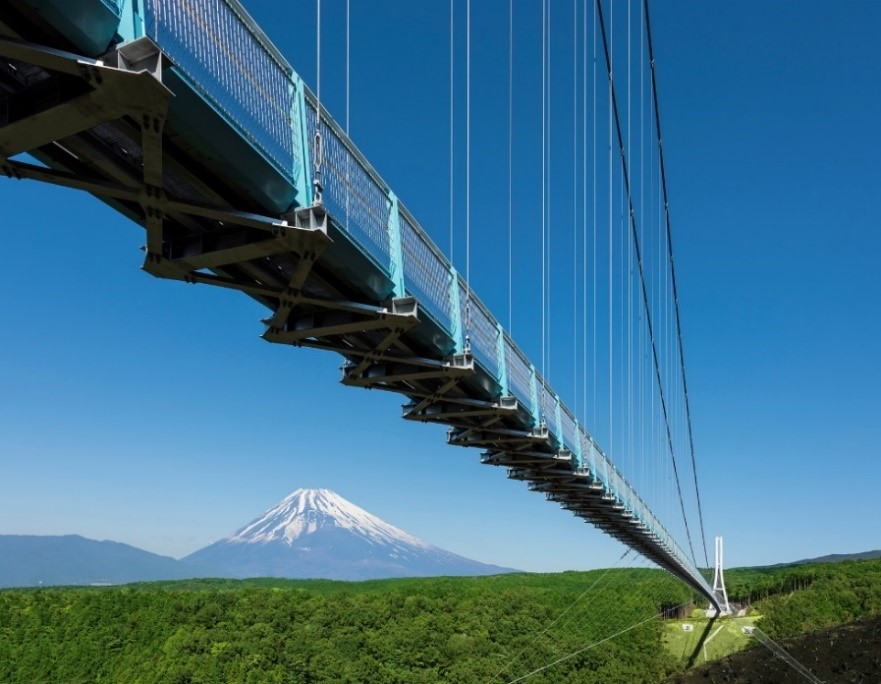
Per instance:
{"type": "Point", "coordinates": [131, 20]}
{"type": "Point", "coordinates": [456, 330]}
{"type": "Point", "coordinates": [607, 483]}
{"type": "Point", "coordinates": [579, 454]}
{"type": "Point", "coordinates": [536, 408]}
{"type": "Point", "coordinates": [503, 364]}
{"type": "Point", "coordinates": [561, 438]}
{"type": "Point", "coordinates": [300, 141]}
{"type": "Point", "coordinates": [396, 251]}
{"type": "Point", "coordinates": [593, 460]}
{"type": "Point", "coordinates": [619, 497]}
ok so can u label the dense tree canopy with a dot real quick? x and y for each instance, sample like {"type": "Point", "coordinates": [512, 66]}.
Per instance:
{"type": "Point", "coordinates": [457, 630]}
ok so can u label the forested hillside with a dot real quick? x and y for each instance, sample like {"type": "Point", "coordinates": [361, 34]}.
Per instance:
{"type": "Point", "coordinates": [458, 630]}
{"type": "Point", "coordinates": [806, 598]}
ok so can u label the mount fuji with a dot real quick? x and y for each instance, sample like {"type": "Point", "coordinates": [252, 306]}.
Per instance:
{"type": "Point", "coordinates": [316, 533]}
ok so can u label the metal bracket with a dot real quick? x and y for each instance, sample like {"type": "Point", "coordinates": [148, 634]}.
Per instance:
{"type": "Point", "coordinates": [500, 438]}
{"type": "Point", "coordinates": [343, 318]}
{"type": "Point", "coordinates": [436, 408]}
{"type": "Point", "coordinates": [393, 374]}
{"type": "Point", "coordinates": [110, 93]}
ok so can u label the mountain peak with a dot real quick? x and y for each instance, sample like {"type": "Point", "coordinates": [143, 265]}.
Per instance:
{"type": "Point", "coordinates": [318, 533]}
{"type": "Point", "coordinates": [307, 511]}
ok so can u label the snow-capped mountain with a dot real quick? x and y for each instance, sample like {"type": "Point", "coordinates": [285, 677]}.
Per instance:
{"type": "Point", "coordinates": [317, 533]}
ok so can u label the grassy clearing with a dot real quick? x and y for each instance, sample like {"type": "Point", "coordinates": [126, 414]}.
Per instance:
{"type": "Point", "coordinates": [709, 639]}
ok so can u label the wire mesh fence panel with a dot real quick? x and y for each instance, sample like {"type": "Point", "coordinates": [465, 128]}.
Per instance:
{"type": "Point", "coordinates": [614, 480]}
{"type": "Point", "coordinates": [601, 463]}
{"type": "Point", "coordinates": [568, 429]}
{"type": "Point", "coordinates": [549, 408]}
{"type": "Point", "coordinates": [427, 276]}
{"type": "Point", "coordinates": [586, 455]}
{"type": "Point", "coordinates": [354, 198]}
{"type": "Point", "coordinates": [482, 329]}
{"type": "Point", "coordinates": [519, 374]}
{"type": "Point", "coordinates": [228, 63]}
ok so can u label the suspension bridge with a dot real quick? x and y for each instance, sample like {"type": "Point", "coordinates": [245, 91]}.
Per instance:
{"type": "Point", "coordinates": [184, 117]}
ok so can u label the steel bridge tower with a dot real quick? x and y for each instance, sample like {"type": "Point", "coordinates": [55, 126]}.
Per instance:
{"type": "Point", "coordinates": [719, 580]}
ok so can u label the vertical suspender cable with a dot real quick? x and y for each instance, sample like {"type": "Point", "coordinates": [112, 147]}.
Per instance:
{"type": "Point", "coordinates": [627, 274]}
{"type": "Point", "coordinates": [640, 340]}
{"type": "Point", "coordinates": [611, 254]}
{"type": "Point", "coordinates": [511, 166]}
{"type": "Point", "coordinates": [576, 391]}
{"type": "Point", "coordinates": [660, 303]}
{"type": "Point", "coordinates": [468, 175]}
{"type": "Point", "coordinates": [584, 203]}
{"type": "Point", "coordinates": [544, 102]}
{"type": "Point", "coordinates": [348, 106]}
{"type": "Point", "coordinates": [549, 203]}
{"type": "Point", "coordinates": [654, 85]}
{"type": "Point", "coordinates": [452, 130]}
{"type": "Point", "coordinates": [595, 193]}
{"type": "Point", "coordinates": [348, 61]}
{"type": "Point", "coordinates": [635, 237]}
{"type": "Point", "coordinates": [653, 435]}
{"type": "Point", "coordinates": [319, 149]}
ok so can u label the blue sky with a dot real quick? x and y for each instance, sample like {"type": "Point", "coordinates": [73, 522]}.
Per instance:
{"type": "Point", "coordinates": [150, 412]}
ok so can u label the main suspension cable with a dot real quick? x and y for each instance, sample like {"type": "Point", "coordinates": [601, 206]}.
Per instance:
{"type": "Point", "coordinates": [654, 84]}
{"type": "Point", "coordinates": [635, 237]}
{"type": "Point", "coordinates": [561, 615]}
{"type": "Point", "coordinates": [780, 652]}
{"type": "Point", "coordinates": [589, 647]}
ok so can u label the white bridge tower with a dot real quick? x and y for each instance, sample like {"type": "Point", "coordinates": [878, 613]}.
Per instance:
{"type": "Point", "coordinates": [719, 580]}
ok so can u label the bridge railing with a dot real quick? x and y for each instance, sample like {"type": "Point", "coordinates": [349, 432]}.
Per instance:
{"type": "Point", "coordinates": [569, 430]}
{"type": "Point", "coordinates": [353, 192]}
{"type": "Point", "coordinates": [362, 203]}
{"type": "Point", "coordinates": [232, 64]}
{"type": "Point", "coordinates": [520, 374]}
{"type": "Point", "coordinates": [484, 331]}
{"type": "Point", "coordinates": [427, 273]}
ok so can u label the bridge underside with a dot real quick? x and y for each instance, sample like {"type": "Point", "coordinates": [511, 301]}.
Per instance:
{"type": "Point", "coordinates": [103, 127]}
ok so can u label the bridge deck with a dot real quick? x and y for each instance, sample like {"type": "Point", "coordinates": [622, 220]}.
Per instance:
{"type": "Point", "coordinates": [167, 131]}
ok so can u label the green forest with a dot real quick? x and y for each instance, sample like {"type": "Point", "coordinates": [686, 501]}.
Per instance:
{"type": "Point", "coordinates": [458, 630]}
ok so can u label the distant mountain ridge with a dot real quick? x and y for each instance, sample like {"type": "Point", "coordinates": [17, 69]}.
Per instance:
{"type": "Point", "coordinates": [316, 533]}
{"type": "Point", "coordinates": [28, 561]}
{"type": "Point", "coordinates": [312, 533]}
{"type": "Point", "coordinates": [832, 558]}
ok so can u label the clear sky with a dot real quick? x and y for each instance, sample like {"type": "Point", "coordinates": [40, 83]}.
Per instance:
{"type": "Point", "coordinates": [150, 412]}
